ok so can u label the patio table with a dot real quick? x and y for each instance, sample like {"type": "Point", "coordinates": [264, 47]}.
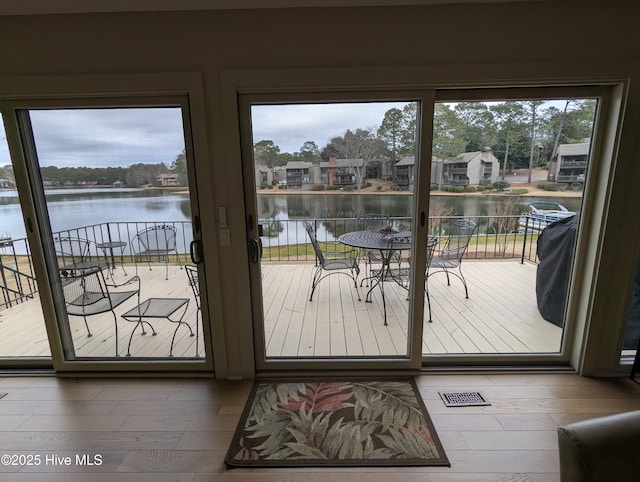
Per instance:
{"type": "Point", "coordinates": [109, 247]}
{"type": "Point", "coordinates": [382, 242]}
{"type": "Point", "coordinates": [157, 308]}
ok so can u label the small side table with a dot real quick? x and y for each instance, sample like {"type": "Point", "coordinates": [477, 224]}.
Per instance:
{"type": "Point", "coordinates": [109, 246]}
{"type": "Point", "coordinates": [157, 308]}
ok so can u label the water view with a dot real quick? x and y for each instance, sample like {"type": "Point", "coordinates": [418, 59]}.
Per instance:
{"type": "Point", "coordinates": [68, 206]}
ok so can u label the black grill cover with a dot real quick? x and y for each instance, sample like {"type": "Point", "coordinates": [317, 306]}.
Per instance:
{"type": "Point", "coordinates": [556, 245]}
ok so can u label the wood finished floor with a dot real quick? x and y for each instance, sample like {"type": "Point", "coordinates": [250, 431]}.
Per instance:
{"type": "Point", "coordinates": [179, 429]}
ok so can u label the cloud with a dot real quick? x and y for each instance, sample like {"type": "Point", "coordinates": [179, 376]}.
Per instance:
{"type": "Point", "coordinates": [119, 137]}
{"type": "Point", "coordinates": [114, 137]}
{"type": "Point", "coordinates": [289, 126]}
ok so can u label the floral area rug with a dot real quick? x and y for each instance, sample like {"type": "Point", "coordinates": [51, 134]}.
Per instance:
{"type": "Point", "coordinates": [335, 423]}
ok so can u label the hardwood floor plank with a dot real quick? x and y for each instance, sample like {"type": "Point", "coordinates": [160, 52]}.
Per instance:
{"type": "Point", "coordinates": [181, 428]}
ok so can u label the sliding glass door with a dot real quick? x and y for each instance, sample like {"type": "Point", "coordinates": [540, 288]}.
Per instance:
{"type": "Point", "coordinates": [509, 178]}
{"type": "Point", "coordinates": [23, 335]}
{"type": "Point", "coordinates": [117, 212]}
{"type": "Point", "coordinates": [505, 182]}
{"type": "Point", "coordinates": [333, 233]}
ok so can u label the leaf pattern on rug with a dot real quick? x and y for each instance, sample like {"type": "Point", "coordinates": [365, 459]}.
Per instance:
{"type": "Point", "coordinates": [360, 420]}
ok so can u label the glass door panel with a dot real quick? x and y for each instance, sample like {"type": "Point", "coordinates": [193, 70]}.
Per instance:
{"type": "Point", "coordinates": [22, 329]}
{"type": "Point", "coordinates": [117, 195]}
{"type": "Point", "coordinates": [335, 225]}
{"type": "Point", "coordinates": [508, 180]}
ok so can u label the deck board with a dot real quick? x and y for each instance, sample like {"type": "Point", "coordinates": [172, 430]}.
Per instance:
{"type": "Point", "coordinates": [500, 316]}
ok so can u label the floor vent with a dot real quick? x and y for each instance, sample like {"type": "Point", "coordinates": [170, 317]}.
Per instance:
{"type": "Point", "coordinates": [3, 394]}
{"type": "Point", "coordinates": [463, 399]}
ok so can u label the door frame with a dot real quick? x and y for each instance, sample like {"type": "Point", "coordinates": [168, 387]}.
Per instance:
{"type": "Point", "coordinates": [412, 361]}
{"type": "Point", "coordinates": [580, 348]}
{"type": "Point", "coordinates": [103, 91]}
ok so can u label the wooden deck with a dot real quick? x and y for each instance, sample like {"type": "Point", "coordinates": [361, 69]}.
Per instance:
{"type": "Point", "coordinates": [22, 329]}
{"type": "Point", "coordinates": [500, 316]}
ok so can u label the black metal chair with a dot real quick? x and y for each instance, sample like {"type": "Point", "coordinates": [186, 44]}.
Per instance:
{"type": "Point", "coordinates": [192, 275]}
{"type": "Point", "coordinates": [155, 242]}
{"type": "Point", "coordinates": [86, 293]}
{"type": "Point", "coordinates": [449, 258]}
{"type": "Point", "coordinates": [373, 222]}
{"type": "Point", "coordinates": [74, 253]}
{"type": "Point", "coordinates": [332, 262]}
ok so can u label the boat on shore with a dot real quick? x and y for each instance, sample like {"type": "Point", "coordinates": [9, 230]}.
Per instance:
{"type": "Point", "coordinates": [543, 213]}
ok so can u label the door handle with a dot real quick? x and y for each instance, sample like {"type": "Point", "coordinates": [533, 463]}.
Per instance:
{"type": "Point", "coordinates": [196, 252]}
{"type": "Point", "coordinates": [255, 250]}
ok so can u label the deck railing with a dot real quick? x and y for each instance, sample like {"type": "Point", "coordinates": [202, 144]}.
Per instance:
{"type": "Point", "coordinates": [496, 237]}
{"type": "Point", "coordinates": [17, 279]}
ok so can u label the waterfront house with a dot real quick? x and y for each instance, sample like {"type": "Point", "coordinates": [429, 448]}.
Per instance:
{"type": "Point", "coordinates": [299, 174]}
{"type": "Point", "coordinates": [570, 165]}
{"type": "Point", "coordinates": [471, 169]}
{"type": "Point", "coordinates": [6, 184]}
{"type": "Point", "coordinates": [340, 172]}
{"type": "Point", "coordinates": [168, 180]}
{"type": "Point", "coordinates": [404, 172]}
{"type": "Point", "coordinates": [264, 176]}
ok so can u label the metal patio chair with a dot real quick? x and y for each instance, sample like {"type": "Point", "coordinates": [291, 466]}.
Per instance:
{"type": "Point", "coordinates": [448, 259]}
{"type": "Point", "coordinates": [332, 262]}
{"type": "Point", "coordinates": [74, 253]}
{"type": "Point", "coordinates": [372, 222]}
{"type": "Point", "coordinates": [155, 242]}
{"type": "Point", "coordinates": [86, 293]}
{"type": "Point", "coordinates": [192, 275]}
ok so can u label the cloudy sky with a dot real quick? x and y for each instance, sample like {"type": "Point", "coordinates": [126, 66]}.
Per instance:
{"type": "Point", "coordinates": [121, 137]}
{"type": "Point", "coordinates": [289, 126]}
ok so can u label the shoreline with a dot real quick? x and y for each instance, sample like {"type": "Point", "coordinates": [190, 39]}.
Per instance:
{"type": "Point", "coordinates": [531, 192]}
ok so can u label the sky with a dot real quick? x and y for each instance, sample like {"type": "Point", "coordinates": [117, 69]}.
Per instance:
{"type": "Point", "coordinates": [104, 137]}
{"type": "Point", "coordinates": [120, 137]}
{"type": "Point", "coordinates": [289, 126]}
{"type": "Point", "coordinates": [124, 136]}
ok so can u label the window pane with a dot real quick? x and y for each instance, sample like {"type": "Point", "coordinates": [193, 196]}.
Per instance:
{"type": "Point", "coordinates": [502, 174]}
{"type": "Point", "coordinates": [117, 196]}
{"type": "Point", "coordinates": [322, 172]}
{"type": "Point", "coordinates": [22, 329]}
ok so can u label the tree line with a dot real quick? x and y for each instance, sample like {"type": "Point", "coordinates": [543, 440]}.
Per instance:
{"type": "Point", "coordinates": [135, 175]}
{"type": "Point", "coordinates": [519, 133]}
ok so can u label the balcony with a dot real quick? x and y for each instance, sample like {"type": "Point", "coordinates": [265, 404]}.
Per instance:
{"type": "Point", "coordinates": [570, 178]}
{"type": "Point", "coordinates": [501, 315]}
{"type": "Point", "coordinates": [457, 182]}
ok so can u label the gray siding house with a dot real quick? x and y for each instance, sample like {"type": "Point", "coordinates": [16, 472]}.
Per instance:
{"type": "Point", "coordinates": [478, 168]}
{"type": "Point", "coordinates": [570, 165]}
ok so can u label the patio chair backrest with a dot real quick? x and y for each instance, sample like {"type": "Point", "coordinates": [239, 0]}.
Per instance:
{"type": "Point", "coordinates": [192, 274]}
{"type": "Point", "coordinates": [84, 288]}
{"type": "Point", "coordinates": [314, 242]}
{"type": "Point", "coordinates": [158, 238]}
{"type": "Point", "coordinates": [400, 241]}
{"type": "Point", "coordinates": [373, 222]}
{"type": "Point", "coordinates": [69, 248]}
{"type": "Point", "coordinates": [461, 232]}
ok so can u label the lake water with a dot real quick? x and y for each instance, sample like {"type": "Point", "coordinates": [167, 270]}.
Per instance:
{"type": "Point", "coordinates": [72, 208]}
